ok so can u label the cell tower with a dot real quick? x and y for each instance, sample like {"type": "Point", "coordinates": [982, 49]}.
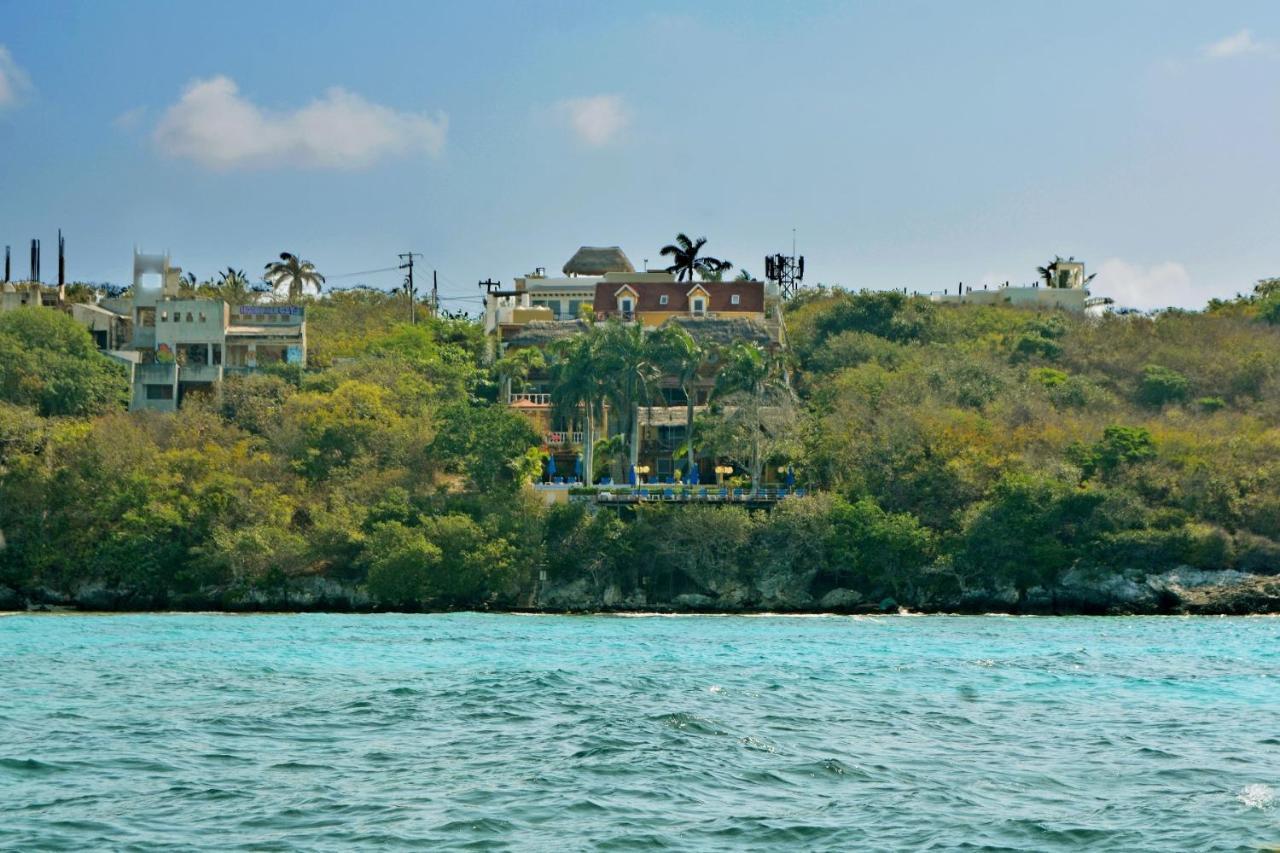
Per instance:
{"type": "Point", "coordinates": [787, 271]}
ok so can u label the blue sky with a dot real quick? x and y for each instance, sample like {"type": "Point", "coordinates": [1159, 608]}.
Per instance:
{"type": "Point", "coordinates": [909, 144]}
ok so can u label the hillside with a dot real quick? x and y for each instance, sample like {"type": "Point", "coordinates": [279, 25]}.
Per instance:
{"type": "Point", "coordinates": [956, 458]}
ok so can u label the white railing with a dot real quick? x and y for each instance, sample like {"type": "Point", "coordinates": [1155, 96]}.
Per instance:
{"type": "Point", "coordinates": [559, 439]}
{"type": "Point", "coordinates": [536, 399]}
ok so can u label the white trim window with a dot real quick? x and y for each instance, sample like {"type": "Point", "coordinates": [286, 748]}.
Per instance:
{"type": "Point", "coordinates": [735, 299]}
{"type": "Point", "coordinates": [699, 305]}
{"type": "Point", "coordinates": [662, 300]}
{"type": "Point", "coordinates": [625, 305]}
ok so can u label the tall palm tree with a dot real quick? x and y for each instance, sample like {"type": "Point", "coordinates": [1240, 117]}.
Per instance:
{"type": "Point", "coordinates": [233, 286]}
{"type": "Point", "coordinates": [187, 285]}
{"type": "Point", "coordinates": [681, 356]}
{"type": "Point", "coordinates": [630, 367]}
{"type": "Point", "coordinates": [686, 262]}
{"type": "Point", "coordinates": [293, 273]}
{"type": "Point", "coordinates": [753, 377]}
{"type": "Point", "coordinates": [579, 389]}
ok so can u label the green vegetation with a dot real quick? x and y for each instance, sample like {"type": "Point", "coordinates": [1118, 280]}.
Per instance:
{"type": "Point", "coordinates": [954, 456]}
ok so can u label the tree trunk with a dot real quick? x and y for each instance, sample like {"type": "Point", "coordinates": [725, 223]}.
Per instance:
{"type": "Point", "coordinates": [589, 448]}
{"type": "Point", "coordinates": [635, 435]}
{"type": "Point", "coordinates": [688, 431]}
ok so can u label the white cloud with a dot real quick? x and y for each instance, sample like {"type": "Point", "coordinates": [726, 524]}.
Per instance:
{"type": "Point", "coordinates": [1162, 285]}
{"type": "Point", "coordinates": [214, 125]}
{"type": "Point", "coordinates": [595, 120]}
{"type": "Point", "coordinates": [14, 82]}
{"type": "Point", "coordinates": [1238, 44]}
{"type": "Point", "coordinates": [129, 119]}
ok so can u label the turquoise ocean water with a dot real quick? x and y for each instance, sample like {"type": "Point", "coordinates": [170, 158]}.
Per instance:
{"type": "Point", "coordinates": [329, 732]}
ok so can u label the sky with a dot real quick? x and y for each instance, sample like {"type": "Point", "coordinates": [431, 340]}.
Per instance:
{"type": "Point", "coordinates": [907, 144]}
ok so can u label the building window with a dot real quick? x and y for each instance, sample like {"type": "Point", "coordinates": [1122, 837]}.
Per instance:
{"type": "Point", "coordinates": [736, 299]}
{"type": "Point", "coordinates": [662, 300]}
{"type": "Point", "coordinates": [699, 306]}
{"type": "Point", "coordinates": [159, 392]}
{"type": "Point", "coordinates": [189, 320]}
{"type": "Point", "coordinates": [164, 316]}
{"type": "Point", "coordinates": [625, 306]}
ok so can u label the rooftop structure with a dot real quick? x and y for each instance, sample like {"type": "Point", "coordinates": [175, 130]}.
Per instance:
{"type": "Point", "coordinates": [1064, 286]}
{"type": "Point", "coordinates": [598, 260]}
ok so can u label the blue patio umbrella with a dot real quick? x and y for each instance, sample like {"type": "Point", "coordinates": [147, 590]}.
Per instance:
{"type": "Point", "coordinates": [577, 466]}
{"type": "Point", "coordinates": [693, 474]}
{"type": "Point", "coordinates": [551, 466]}
{"type": "Point", "coordinates": [791, 476]}
{"type": "Point", "coordinates": [631, 475]}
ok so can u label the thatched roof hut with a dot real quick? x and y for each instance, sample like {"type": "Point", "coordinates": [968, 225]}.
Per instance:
{"type": "Point", "coordinates": [598, 260]}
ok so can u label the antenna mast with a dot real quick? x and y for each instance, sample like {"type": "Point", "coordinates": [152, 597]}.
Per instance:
{"type": "Point", "coordinates": [786, 270]}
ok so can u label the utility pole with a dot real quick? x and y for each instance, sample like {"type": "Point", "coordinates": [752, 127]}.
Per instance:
{"type": "Point", "coordinates": [435, 294]}
{"type": "Point", "coordinates": [409, 287]}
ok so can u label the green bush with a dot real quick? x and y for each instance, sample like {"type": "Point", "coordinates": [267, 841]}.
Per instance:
{"type": "Point", "coordinates": [1161, 385]}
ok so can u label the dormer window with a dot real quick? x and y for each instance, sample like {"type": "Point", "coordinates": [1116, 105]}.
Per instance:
{"type": "Point", "coordinates": [662, 300]}
{"type": "Point", "coordinates": [625, 305]}
{"type": "Point", "coordinates": [736, 299]}
{"type": "Point", "coordinates": [699, 305]}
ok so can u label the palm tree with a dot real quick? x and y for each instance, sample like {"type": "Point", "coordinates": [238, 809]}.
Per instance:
{"type": "Point", "coordinates": [681, 356]}
{"type": "Point", "coordinates": [685, 260]}
{"type": "Point", "coordinates": [233, 286]}
{"type": "Point", "coordinates": [293, 273]}
{"type": "Point", "coordinates": [514, 368]}
{"type": "Point", "coordinates": [579, 387]}
{"type": "Point", "coordinates": [629, 366]}
{"type": "Point", "coordinates": [743, 275]}
{"type": "Point", "coordinates": [754, 378]}
{"type": "Point", "coordinates": [187, 285]}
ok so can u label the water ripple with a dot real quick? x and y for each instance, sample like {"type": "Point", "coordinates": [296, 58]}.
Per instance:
{"type": "Point", "coordinates": [466, 731]}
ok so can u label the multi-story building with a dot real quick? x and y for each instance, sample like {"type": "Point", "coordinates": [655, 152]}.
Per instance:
{"type": "Point", "coordinates": [539, 311]}
{"type": "Point", "coordinates": [175, 346]}
{"type": "Point", "coordinates": [185, 346]}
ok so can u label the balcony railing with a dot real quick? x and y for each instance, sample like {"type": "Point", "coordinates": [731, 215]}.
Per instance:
{"type": "Point", "coordinates": [200, 373]}
{"type": "Point", "coordinates": [157, 372]}
{"type": "Point", "coordinates": [561, 439]}
{"type": "Point", "coordinates": [535, 399]}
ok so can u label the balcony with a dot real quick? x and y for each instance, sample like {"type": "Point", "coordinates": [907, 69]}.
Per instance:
{"type": "Point", "coordinates": [562, 439]}
{"type": "Point", "coordinates": [157, 373]}
{"type": "Point", "coordinates": [200, 373]}
{"type": "Point", "coordinates": [530, 399]}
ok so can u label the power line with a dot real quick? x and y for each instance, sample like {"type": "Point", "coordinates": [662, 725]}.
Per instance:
{"type": "Point", "coordinates": [362, 272]}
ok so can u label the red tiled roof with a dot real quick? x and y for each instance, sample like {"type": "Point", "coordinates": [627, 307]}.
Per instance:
{"type": "Point", "coordinates": [649, 295]}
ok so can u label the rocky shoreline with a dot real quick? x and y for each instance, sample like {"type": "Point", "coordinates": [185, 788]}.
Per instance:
{"type": "Point", "coordinates": [1177, 591]}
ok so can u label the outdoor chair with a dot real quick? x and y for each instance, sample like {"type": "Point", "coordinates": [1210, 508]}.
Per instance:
{"type": "Point", "coordinates": [799, 493]}
{"type": "Point", "coordinates": [737, 494]}
{"type": "Point", "coordinates": [702, 493]}
{"type": "Point", "coordinates": [669, 494]}
{"type": "Point", "coordinates": [724, 492]}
